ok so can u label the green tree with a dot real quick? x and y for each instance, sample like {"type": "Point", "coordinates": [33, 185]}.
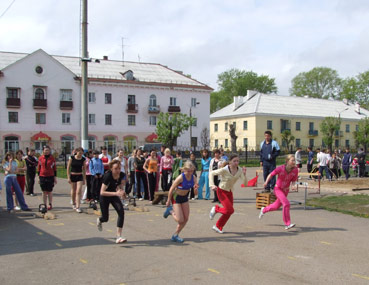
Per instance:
{"type": "Point", "coordinates": [356, 89]}
{"type": "Point", "coordinates": [329, 127]}
{"type": "Point", "coordinates": [169, 127]}
{"type": "Point", "coordinates": [235, 82]}
{"type": "Point", "coordinates": [362, 134]}
{"type": "Point", "coordinates": [287, 138]}
{"type": "Point", "coordinates": [320, 82]}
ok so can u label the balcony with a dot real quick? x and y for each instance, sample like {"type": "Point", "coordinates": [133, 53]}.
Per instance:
{"type": "Point", "coordinates": [313, 132]}
{"type": "Point", "coordinates": [285, 129]}
{"type": "Point", "coordinates": [66, 105]}
{"type": "Point", "coordinates": [13, 102]}
{"type": "Point", "coordinates": [132, 108]}
{"type": "Point", "coordinates": [154, 109]}
{"type": "Point", "coordinates": [39, 103]}
{"type": "Point", "coordinates": [174, 109]}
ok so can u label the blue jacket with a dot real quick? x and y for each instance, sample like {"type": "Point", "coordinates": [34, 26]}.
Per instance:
{"type": "Point", "coordinates": [347, 158]}
{"type": "Point", "coordinates": [96, 166]}
{"type": "Point", "coordinates": [310, 157]}
{"type": "Point", "coordinates": [269, 152]}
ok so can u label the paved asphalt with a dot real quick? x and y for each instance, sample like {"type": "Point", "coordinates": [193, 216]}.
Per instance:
{"type": "Point", "coordinates": [324, 248]}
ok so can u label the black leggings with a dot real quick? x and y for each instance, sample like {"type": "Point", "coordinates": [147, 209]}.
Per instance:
{"type": "Point", "coordinates": [152, 184]}
{"type": "Point", "coordinates": [30, 182]}
{"type": "Point", "coordinates": [89, 179]}
{"type": "Point", "coordinates": [105, 201]}
{"type": "Point", "coordinates": [164, 179]}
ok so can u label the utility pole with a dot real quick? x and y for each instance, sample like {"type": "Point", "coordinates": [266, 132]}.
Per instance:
{"type": "Point", "coordinates": [84, 81]}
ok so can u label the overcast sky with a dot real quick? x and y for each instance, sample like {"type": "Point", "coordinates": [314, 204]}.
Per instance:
{"type": "Point", "coordinates": [279, 38]}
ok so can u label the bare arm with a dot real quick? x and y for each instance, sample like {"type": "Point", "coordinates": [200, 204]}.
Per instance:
{"type": "Point", "coordinates": [119, 192]}
{"type": "Point", "coordinates": [175, 184]}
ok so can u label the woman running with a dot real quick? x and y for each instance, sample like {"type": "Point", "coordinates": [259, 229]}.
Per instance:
{"type": "Point", "coordinates": [228, 177]}
{"type": "Point", "coordinates": [76, 172]}
{"type": "Point", "coordinates": [287, 173]}
{"type": "Point", "coordinates": [112, 191]}
{"type": "Point", "coordinates": [178, 196]}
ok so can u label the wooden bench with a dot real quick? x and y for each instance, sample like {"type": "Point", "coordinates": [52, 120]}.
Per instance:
{"type": "Point", "coordinates": [159, 197]}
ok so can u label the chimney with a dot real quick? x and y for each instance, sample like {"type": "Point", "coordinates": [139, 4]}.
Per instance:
{"type": "Point", "coordinates": [345, 101]}
{"type": "Point", "coordinates": [105, 57]}
{"type": "Point", "coordinates": [357, 108]}
{"type": "Point", "coordinates": [237, 102]}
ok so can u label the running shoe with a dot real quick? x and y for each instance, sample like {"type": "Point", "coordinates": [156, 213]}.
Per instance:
{"type": "Point", "coordinates": [99, 224]}
{"type": "Point", "coordinates": [215, 228]}
{"type": "Point", "coordinates": [140, 199]}
{"type": "Point", "coordinates": [261, 214]}
{"type": "Point", "coordinates": [176, 238]}
{"type": "Point", "coordinates": [78, 210]}
{"type": "Point", "coordinates": [17, 208]}
{"type": "Point", "coordinates": [290, 226]}
{"type": "Point", "coordinates": [74, 207]}
{"type": "Point", "coordinates": [120, 240]}
{"type": "Point", "coordinates": [167, 211]}
{"type": "Point", "coordinates": [212, 213]}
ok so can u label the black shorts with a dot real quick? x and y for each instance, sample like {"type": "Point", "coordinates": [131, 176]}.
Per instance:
{"type": "Point", "coordinates": [76, 178]}
{"type": "Point", "coordinates": [180, 199]}
{"type": "Point", "coordinates": [47, 183]}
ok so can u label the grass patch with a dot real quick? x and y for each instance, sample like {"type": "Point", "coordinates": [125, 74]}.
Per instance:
{"type": "Point", "coordinates": [61, 172]}
{"type": "Point", "coordinates": [355, 205]}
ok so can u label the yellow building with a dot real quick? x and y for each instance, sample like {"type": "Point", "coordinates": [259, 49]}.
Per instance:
{"type": "Point", "coordinates": [256, 113]}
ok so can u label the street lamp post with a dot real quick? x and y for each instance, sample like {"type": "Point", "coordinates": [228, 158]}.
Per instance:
{"type": "Point", "coordinates": [197, 103]}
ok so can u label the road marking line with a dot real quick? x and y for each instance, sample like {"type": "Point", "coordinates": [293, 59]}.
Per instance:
{"type": "Point", "coordinates": [84, 261]}
{"type": "Point", "coordinates": [213, 270]}
{"type": "Point", "coordinates": [40, 233]}
{"type": "Point", "coordinates": [291, 257]}
{"type": "Point", "coordinates": [92, 224]}
{"type": "Point", "coordinates": [150, 220]}
{"type": "Point", "coordinates": [361, 276]}
{"type": "Point", "coordinates": [122, 284]}
{"type": "Point", "coordinates": [58, 244]}
{"type": "Point", "coordinates": [57, 224]}
{"type": "Point", "coordinates": [325, 242]}
{"type": "Point", "coordinates": [110, 231]}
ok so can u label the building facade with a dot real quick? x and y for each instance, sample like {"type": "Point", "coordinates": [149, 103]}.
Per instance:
{"type": "Point", "coordinates": [40, 102]}
{"type": "Point", "coordinates": [256, 113]}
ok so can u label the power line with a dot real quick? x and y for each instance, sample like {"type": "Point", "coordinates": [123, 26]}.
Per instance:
{"type": "Point", "coordinates": [6, 10]}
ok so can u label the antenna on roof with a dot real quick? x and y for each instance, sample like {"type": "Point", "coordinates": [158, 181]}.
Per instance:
{"type": "Point", "coordinates": [139, 58]}
{"type": "Point", "coordinates": [123, 51]}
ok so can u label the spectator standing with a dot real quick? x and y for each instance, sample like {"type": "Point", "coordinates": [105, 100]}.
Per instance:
{"type": "Point", "coordinates": [105, 158]}
{"type": "Point", "coordinates": [323, 160]}
{"type": "Point", "coordinates": [47, 175]}
{"type": "Point", "coordinates": [76, 173]}
{"type": "Point", "coordinates": [131, 174]}
{"type": "Point", "coordinates": [166, 168]}
{"type": "Point", "coordinates": [298, 158]}
{"type": "Point", "coordinates": [196, 167]}
{"type": "Point", "coordinates": [21, 174]}
{"type": "Point", "coordinates": [141, 176]}
{"type": "Point", "coordinates": [177, 165]}
{"type": "Point", "coordinates": [214, 165]}
{"type": "Point", "coordinates": [151, 166]}
{"type": "Point", "coordinates": [334, 165]}
{"type": "Point", "coordinates": [97, 170]}
{"type": "Point", "coordinates": [361, 162]}
{"type": "Point", "coordinates": [204, 177]}
{"type": "Point", "coordinates": [31, 163]}
{"type": "Point", "coordinates": [346, 162]}
{"type": "Point", "coordinates": [310, 160]}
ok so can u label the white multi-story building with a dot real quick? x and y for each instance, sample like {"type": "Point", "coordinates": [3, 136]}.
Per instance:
{"type": "Point", "coordinates": [40, 102]}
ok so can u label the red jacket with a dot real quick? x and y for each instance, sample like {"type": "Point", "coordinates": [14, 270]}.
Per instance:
{"type": "Point", "coordinates": [46, 167]}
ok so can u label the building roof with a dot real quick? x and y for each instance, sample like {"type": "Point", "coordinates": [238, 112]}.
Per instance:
{"type": "Point", "coordinates": [287, 106]}
{"type": "Point", "coordinates": [113, 70]}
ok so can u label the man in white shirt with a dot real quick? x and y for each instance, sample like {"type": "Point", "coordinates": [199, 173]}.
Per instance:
{"type": "Point", "coordinates": [322, 159]}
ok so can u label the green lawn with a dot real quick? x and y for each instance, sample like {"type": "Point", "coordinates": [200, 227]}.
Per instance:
{"type": "Point", "coordinates": [356, 205]}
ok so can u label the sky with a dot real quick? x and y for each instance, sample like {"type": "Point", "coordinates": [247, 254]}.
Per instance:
{"type": "Point", "coordinates": [203, 38]}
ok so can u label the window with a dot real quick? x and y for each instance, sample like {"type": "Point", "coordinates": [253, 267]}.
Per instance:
{"type": "Point", "coordinates": [347, 143]}
{"type": "Point", "coordinates": [111, 144]}
{"type": "Point", "coordinates": [194, 142]}
{"type": "Point", "coordinates": [234, 125]}
{"type": "Point", "coordinates": [357, 128]}
{"type": "Point", "coordinates": [152, 120]}
{"type": "Point", "coordinates": [91, 142]}
{"type": "Point", "coordinates": [91, 97]}
{"type": "Point", "coordinates": [40, 118]}
{"type": "Point", "coordinates": [298, 143]}
{"type": "Point", "coordinates": [269, 125]}
{"type": "Point", "coordinates": [336, 143]}
{"type": "Point", "coordinates": [216, 143]}
{"type": "Point", "coordinates": [311, 126]}
{"type": "Point", "coordinates": [92, 119]}
{"type": "Point", "coordinates": [244, 125]}
{"type": "Point", "coordinates": [226, 143]}
{"type": "Point", "coordinates": [194, 123]}
{"type": "Point", "coordinates": [39, 93]}
{"type": "Point", "coordinates": [193, 102]}
{"type": "Point", "coordinates": [132, 99]}
{"type": "Point", "coordinates": [152, 100]}
{"type": "Point", "coordinates": [67, 143]}
{"type": "Point", "coordinates": [39, 69]}
{"type": "Point", "coordinates": [347, 128]}
{"type": "Point", "coordinates": [11, 143]}
{"type": "Point", "coordinates": [311, 142]}
{"type": "Point", "coordinates": [13, 93]}
{"type": "Point", "coordinates": [298, 126]}
{"type": "Point", "coordinates": [65, 118]}
{"type": "Point", "coordinates": [131, 120]}
{"type": "Point", "coordinates": [245, 142]}
{"type": "Point", "coordinates": [285, 125]}
{"type": "Point", "coordinates": [226, 126]}
{"type": "Point", "coordinates": [13, 117]}
{"type": "Point", "coordinates": [215, 127]}
{"type": "Point", "coordinates": [107, 98]}
{"type": "Point", "coordinates": [66, 95]}
{"type": "Point", "coordinates": [108, 119]}
{"type": "Point", "coordinates": [173, 101]}
{"type": "Point", "coordinates": [130, 143]}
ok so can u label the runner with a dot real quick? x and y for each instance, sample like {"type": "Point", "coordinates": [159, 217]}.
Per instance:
{"type": "Point", "coordinates": [47, 175]}
{"type": "Point", "coordinates": [287, 173]}
{"type": "Point", "coordinates": [178, 196]}
{"type": "Point", "coordinates": [112, 191]}
{"type": "Point", "coordinates": [76, 173]}
{"type": "Point", "coordinates": [228, 177]}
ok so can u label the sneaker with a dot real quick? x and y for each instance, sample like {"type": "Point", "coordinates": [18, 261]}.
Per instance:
{"type": "Point", "coordinates": [83, 201]}
{"type": "Point", "coordinates": [261, 214]}
{"type": "Point", "coordinates": [290, 226]}
{"type": "Point", "coordinates": [167, 211]}
{"type": "Point", "coordinates": [212, 213]}
{"type": "Point", "coordinates": [193, 199]}
{"type": "Point", "coordinates": [49, 207]}
{"type": "Point", "coordinates": [78, 210]}
{"type": "Point", "coordinates": [215, 228]}
{"type": "Point", "coordinates": [120, 240]}
{"type": "Point", "coordinates": [99, 224]}
{"type": "Point", "coordinates": [140, 199]}
{"type": "Point", "coordinates": [17, 208]}
{"type": "Point", "coordinates": [74, 207]}
{"type": "Point", "coordinates": [71, 202]}
{"type": "Point", "coordinates": [32, 195]}
{"type": "Point", "coordinates": [176, 238]}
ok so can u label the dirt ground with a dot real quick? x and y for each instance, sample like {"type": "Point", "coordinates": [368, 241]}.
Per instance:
{"type": "Point", "coordinates": [341, 185]}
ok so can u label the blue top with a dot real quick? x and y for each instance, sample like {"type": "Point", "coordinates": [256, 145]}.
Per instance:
{"type": "Point", "coordinates": [96, 166]}
{"type": "Point", "coordinates": [13, 168]}
{"type": "Point", "coordinates": [224, 157]}
{"type": "Point", "coordinates": [347, 159]}
{"type": "Point", "coordinates": [186, 185]}
{"type": "Point", "coordinates": [269, 152]}
{"type": "Point", "coordinates": [310, 157]}
{"type": "Point", "coordinates": [205, 163]}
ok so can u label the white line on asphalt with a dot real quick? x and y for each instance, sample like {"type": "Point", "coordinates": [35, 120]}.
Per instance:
{"type": "Point", "coordinates": [361, 276]}
{"type": "Point", "coordinates": [213, 270]}
{"type": "Point", "coordinates": [84, 261]}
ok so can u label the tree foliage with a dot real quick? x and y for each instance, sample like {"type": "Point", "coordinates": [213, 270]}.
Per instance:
{"type": "Point", "coordinates": [205, 138]}
{"type": "Point", "coordinates": [235, 82]}
{"type": "Point", "coordinates": [356, 89]}
{"type": "Point", "coordinates": [169, 127]}
{"type": "Point", "coordinates": [328, 127]}
{"type": "Point", "coordinates": [362, 134]}
{"type": "Point", "coordinates": [287, 138]}
{"type": "Point", "coordinates": [320, 82]}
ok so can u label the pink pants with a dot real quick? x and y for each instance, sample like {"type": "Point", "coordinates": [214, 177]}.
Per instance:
{"type": "Point", "coordinates": [226, 199]}
{"type": "Point", "coordinates": [281, 200]}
